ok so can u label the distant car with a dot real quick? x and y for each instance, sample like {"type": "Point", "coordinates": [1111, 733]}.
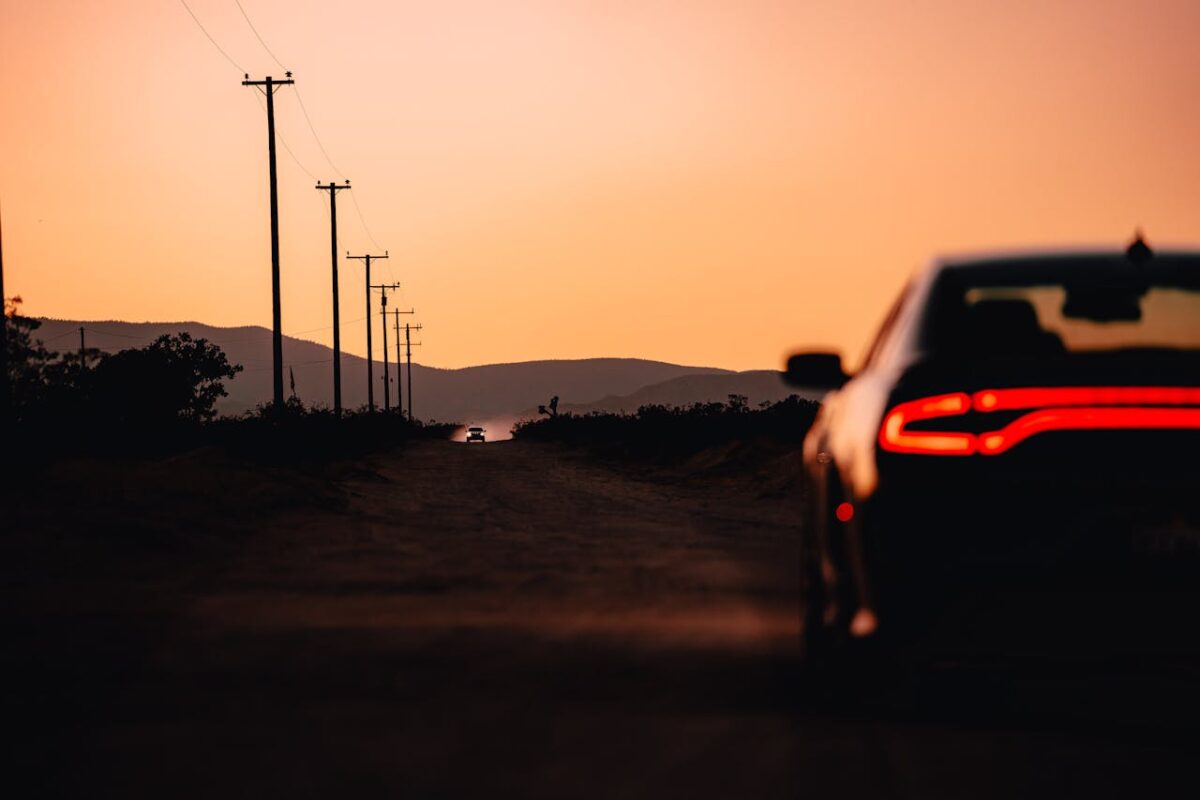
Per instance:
{"type": "Point", "coordinates": [1016, 463]}
{"type": "Point", "coordinates": [475, 435]}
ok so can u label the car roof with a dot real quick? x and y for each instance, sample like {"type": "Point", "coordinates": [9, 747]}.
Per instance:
{"type": "Point", "coordinates": [1176, 266]}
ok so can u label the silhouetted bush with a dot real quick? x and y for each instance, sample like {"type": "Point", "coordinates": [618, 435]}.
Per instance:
{"type": "Point", "coordinates": [312, 435]}
{"type": "Point", "coordinates": [664, 431]}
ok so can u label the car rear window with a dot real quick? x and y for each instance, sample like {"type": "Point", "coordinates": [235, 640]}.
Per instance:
{"type": "Point", "coordinates": [1024, 313]}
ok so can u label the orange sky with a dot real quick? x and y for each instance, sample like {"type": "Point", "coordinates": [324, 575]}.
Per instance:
{"type": "Point", "coordinates": [701, 182]}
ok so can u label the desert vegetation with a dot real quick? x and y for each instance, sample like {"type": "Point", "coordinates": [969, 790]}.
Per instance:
{"type": "Point", "coordinates": [667, 432]}
{"type": "Point", "coordinates": [162, 398]}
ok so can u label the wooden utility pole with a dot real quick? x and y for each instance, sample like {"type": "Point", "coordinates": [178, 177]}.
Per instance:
{"type": "Point", "coordinates": [268, 88]}
{"type": "Point", "coordinates": [82, 349]}
{"type": "Point", "coordinates": [387, 390]}
{"type": "Point", "coordinates": [409, 346]}
{"type": "Point", "coordinates": [333, 189]}
{"type": "Point", "coordinates": [3, 339]}
{"type": "Point", "coordinates": [399, 380]}
{"type": "Point", "coordinates": [366, 259]}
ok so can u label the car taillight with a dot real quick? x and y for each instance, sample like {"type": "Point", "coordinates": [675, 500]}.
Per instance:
{"type": "Point", "coordinates": [1049, 409]}
{"type": "Point", "coordinates": [895, 436]}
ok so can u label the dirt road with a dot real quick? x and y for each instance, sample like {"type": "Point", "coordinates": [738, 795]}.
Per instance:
{"type": "Point", "coordinates": [504, 620]}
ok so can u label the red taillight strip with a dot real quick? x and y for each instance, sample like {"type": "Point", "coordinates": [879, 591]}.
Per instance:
{"type": "Point", "coordinates": [1014, 399]}
{"type": "Point", "coordinates": [1084, 419]}
{"type": "Point", "coordinates": [1057, 408]}
{"type": "Point", "coordinates": [893, 436]}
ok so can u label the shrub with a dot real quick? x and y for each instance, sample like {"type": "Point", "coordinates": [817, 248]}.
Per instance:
{"type": "Point", "coordinates": [665, 431]}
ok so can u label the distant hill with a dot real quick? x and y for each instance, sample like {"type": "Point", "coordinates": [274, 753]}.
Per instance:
{"type": "Point", "coordinates": [758, 386]}
{"type": "Point", "coordinates": [445, 394]}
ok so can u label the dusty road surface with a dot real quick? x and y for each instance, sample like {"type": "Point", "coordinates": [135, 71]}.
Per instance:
{"type": "Point", "coordinates": [449, 620]}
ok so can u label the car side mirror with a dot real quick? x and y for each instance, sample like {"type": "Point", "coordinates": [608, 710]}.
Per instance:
{"type": "Point", "coordinates": [816, 371]}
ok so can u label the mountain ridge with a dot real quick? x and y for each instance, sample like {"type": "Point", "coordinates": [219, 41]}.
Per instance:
{"type": "Point", "coordinates": [758, 386]}
{"type": "Point", "coordinates": [450, 394]}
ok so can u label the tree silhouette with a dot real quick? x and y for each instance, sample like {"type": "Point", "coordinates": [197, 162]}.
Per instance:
{"type": "Point", "coordinates": [29, 373]}
{"type": "Point", "coordinates": [175, 378]}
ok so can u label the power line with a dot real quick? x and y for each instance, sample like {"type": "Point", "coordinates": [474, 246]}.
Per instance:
{"type": "Point", "coordinates": [324, 152]}
{"type": "Point", "coordinates": [363, 221]}
{"type": "Point", "coordinates": [299, 97]}
{"type": "Point", "coordinates": [142, 338]}
{"type": "Point", "coordinates": [276, 135]}
{"type": "Point", "coordinates": [221, 50]}
{"type": "Point", "coordinates": [305, 169]}
{"type": "Point", "coordinates": [312, 128]}
{"type": "Point", "coordinates": [294, 364]}
{"type": "Point", "coordinates": [268, 88]}
{"type": "Point", "coordinates": [364, 224]}
{"type": "Point", "coordinates": [204, 30]}
{"type": "Point", "coordinates": [153, 337]}
{"type": "Point", "coordinates": [324, 208]}
{"type": "Point", "coordinates": [283, 142]}
{"type": "Point", "coordinates": [292, 334]}
{"type": "Point", "coordinates": [257, 36]}
{"type": "Point", "coordinates": [59, 336]}
{"type": "Point", "coordinates": [327, 327]}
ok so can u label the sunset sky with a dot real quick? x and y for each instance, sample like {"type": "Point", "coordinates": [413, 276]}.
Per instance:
{"type": "Point", "coordinates": [712, 183]}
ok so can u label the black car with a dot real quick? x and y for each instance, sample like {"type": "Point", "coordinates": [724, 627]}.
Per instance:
{"type": "Point", "coordinates": [1015, 468]}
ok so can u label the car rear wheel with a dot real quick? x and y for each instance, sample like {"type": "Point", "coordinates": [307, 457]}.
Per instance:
{"type": "Point", "coordinates": [842, 670]}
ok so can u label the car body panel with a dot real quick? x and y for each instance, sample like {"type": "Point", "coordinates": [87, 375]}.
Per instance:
{"type": "Point", "coordinates": [918, 519]}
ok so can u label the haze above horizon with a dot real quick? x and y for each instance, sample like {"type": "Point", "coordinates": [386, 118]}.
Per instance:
{"type": "Point", "coordinates": [696, 183]}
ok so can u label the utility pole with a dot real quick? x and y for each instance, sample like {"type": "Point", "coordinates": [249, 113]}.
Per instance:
{"type": "Point", "coordinates": [333, 189]}
{"type": "Point", "coordinates": [82, 348]}
{"type": "Point", "coordinates": [409, 346]}
{"type": "Point", "coordinates": [399, 380]}
{"type": "Point", "coordinates": [270, 84]}
{"type": "Point", "coordinates": [387, 390]}
{"type": "Point", "coordinates": [366, 259]}
{"type": "Point", "coordinates": [3, 340]}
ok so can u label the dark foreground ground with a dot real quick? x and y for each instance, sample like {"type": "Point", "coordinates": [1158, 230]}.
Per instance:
{"type": "Point", "coordinates": [502, 620]}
